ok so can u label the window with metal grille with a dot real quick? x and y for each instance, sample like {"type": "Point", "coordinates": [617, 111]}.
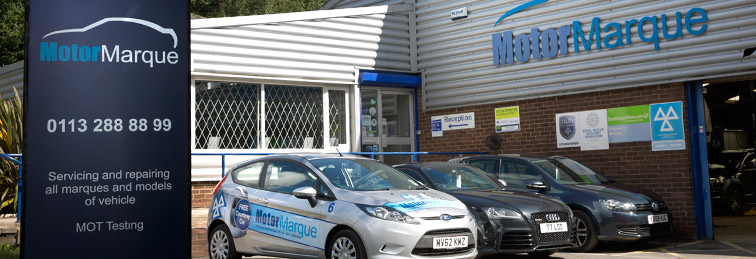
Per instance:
{"type": "Point", "coordinates": [241, 115]}
{"type": "Point", "coordinates": [337, 117]}
{"type": "Point", "coordinates": [293, 117]}
{"type": "Point", "coordinates": [226, 115]}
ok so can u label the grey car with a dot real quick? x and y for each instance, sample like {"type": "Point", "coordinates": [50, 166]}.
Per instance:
{"type": "Point", "coordinates": [325, 206]}
{"type": "Point", "coordinates": [508, 222]}
{"type": "Point", "coordinates": [604, 209]}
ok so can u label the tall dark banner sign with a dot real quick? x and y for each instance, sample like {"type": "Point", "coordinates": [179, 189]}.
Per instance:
{"type": "Point", "coordinates": [106, 156]}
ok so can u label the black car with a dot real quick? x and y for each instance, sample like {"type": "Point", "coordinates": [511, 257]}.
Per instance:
{"type": "Point", "coordinates": [604, 209]}
{"type": "Point", "coordinates": [508, 222]}
{"type": "Point", "coordinates": [733, 182]}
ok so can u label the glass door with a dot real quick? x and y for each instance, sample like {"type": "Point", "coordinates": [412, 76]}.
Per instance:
{"type": "Point", "coordinates": [387, 124]}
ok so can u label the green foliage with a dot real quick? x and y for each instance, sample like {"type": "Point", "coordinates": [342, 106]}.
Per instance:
{"type": "Point", "coordinates": [11, 139]}
{"type": "Point", "coordinates": [11, 31]}
{"type": "Point", "coordinates": [226, 8]}
{"type": "Point", "coordinates": [9, 251]}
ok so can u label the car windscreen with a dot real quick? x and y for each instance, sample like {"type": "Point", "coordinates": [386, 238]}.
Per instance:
{"type": "Point", "coordinates": [454, 178]}
{"type": "Point", "coordinates": [568, 171]}
{"type": "Point", "coordinates": [364, 175]}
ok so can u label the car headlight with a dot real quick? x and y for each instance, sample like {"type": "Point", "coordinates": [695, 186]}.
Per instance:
{"type": "Point", "coordinates": [615, 205]}
{"type": "Point", "coordinates": [719, 179]}
{"type": "Point", "coordinates": [501, 213]}
{"type": "Point", "coordinates": [388, 213]}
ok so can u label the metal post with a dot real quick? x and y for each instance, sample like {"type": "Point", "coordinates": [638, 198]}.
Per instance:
{"type": "Point", "coordinates": [223, 165]}
{"type": "Point", "coordinates": [18, 194]}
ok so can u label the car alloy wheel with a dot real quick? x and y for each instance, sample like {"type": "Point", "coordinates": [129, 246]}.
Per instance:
{"type": "Point", "coordinates": [219, 245]}
{"type": "Point", "coordinates": [585, 232]}
{"type": "Point", "coordinates": [735, 201]}
{"type": "Point", "coordinates": [581, 232]}
{"type": "Point", "coordinates": [346, 244]}
{"type": "Point", "coordinates": [343, 248]}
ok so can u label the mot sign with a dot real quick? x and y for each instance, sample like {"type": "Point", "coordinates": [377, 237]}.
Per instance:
{"type": "Point", "coordinates": [106, 156]}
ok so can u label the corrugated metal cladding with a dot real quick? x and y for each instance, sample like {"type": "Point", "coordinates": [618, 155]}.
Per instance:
{"type": "Point", "coordinates": [457, 55]}
{"type": "Point", "coordinates": [12, 76]}
{"type": "Point", "coordinates": [322, 50]}
{"type": "Point", "coordinates": [360, 3]}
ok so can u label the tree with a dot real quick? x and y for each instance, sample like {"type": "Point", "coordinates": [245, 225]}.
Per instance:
{"type": "Point", "coordinates": [226, 8]}
{"type": "Point", "coordinates": [11, 31]}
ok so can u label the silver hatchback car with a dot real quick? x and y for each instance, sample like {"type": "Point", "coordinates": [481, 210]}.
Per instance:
{"type": "Point", "coordinates": [332, 206]}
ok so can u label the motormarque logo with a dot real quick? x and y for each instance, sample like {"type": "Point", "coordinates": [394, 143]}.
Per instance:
{"type": "Point", "coordinates": [446, 217]}
{"type": "Point", "coordinates": [567, 127]}
{"type": "Point", "coordinates": [552, 217]}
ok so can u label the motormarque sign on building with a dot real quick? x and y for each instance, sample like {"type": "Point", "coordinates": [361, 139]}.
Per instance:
{"type": "Point", "coordinates": [106, 157]}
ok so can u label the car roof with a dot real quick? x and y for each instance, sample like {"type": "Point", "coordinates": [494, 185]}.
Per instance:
{"type": "Point", "coordinates": [526, 157]}
{"type": "Point", "coordinates": [434, 165]}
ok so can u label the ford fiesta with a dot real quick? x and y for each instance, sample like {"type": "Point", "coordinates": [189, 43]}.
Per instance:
{"type": "Point", "coordinates": [508, 222]}
{"type": "Point", "coordinates": [321, 206]}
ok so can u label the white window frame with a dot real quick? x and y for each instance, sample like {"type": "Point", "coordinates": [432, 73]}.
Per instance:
{"type": "Point", "coordinates": [262, 146]}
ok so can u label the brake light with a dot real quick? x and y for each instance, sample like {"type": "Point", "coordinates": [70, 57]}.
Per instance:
{"type": "Point", "coordinates": [219, 184]}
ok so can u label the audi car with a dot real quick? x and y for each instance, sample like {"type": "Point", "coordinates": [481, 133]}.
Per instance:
{"type": "Point", "coordinates": [324, 206]}
{"type": "Point", "coordinates": [508, 222]}
{"type": "Point", "coordinates": [604, 209]}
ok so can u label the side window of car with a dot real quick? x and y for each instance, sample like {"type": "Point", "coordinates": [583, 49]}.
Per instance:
{"type": "Point", "coordinates": [249, 175]}
{"type": "Point", "coordinates": [285, 176]}
{"type": "Point", "coordinates": [414, 174]}
{"type": "Point", "coordinates": [486, 165]}
{"type": "Point", "coordinates": [517, 174]}
{"type": "Point", "coordinates": [749, 164]}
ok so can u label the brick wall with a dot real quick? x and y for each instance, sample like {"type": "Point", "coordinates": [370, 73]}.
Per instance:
{"type": "Point", "coordinates": [202, 194]}
{"type": "Point", "coordinates": [667, 173]}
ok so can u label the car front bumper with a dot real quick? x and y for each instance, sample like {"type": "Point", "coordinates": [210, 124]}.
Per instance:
{"type": "Point", "coordinates": [631, 226]}
{"type": "Point", "coordinates": [511, 236]}
{"type": "Point", "coordinates": [385, 239]}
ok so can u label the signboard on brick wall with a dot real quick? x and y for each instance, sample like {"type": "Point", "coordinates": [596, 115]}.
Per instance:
{"type": "Point", "coordinates": [667, 131]}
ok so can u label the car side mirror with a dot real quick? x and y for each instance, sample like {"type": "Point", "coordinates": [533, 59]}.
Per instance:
{"type": "Point", "coordinates": [503, 182]}
{"type": "Point", "coordinates": [308, 193]}
{"type": "Point", "coordinates": [537, 185]}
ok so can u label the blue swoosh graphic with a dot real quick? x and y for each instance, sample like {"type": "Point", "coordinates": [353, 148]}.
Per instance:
{"type": "Point", "coordinates": [519, 8]}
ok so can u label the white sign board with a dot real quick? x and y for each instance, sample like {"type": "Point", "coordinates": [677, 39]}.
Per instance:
{"type": "Point", "coordinates": [594, 133]}
{"type": "Point", "coordinates": [567, 130]}
{"type": "Point", "coordinates": [459, 13]}
{"type": "Point", "coordinates": [442, 123]}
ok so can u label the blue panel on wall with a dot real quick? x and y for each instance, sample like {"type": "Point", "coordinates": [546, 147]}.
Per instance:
{"type": "Point", "coordinates": [389, 79]}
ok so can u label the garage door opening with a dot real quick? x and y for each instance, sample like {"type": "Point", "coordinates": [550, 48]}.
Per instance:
{"type": "Point", "coordinates": [730, 114]}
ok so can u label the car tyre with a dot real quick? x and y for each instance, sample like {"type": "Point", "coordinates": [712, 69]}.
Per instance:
{"type": "Point", "coordinates": [542, 254]}
{"type": "Point", "coordinates": [220, 244]}
{"type": "Point", "coordinates": [733, 201]}
{"type": "Point", "coordinates": [586, 236]}
{"type": "Point", "coordinates": [346, 244]}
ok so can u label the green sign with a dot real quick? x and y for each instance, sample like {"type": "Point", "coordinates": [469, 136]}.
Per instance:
{"type": "Point", "coordinates": [627, 115]}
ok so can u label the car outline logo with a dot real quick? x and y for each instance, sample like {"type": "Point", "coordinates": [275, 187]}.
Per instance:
{"type": "Point", "coordinates": [446, 217]}
{"type": "Point", "coordinates": [149, 24]}
{"type": "Point", "coordinates": [552, 217]}
{"type": "Point", "coordinates": [520, 8]}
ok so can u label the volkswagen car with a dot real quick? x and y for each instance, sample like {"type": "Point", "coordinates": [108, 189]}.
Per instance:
{"type": "Point", "coordinates": [323, 206]}
{"type": "Point", "coordinates": [508, 222]}
{"type": "Point", "coordinates": [604, 209]}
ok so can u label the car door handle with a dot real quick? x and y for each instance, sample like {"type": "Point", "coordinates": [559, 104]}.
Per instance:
{"type": "Point", "coordinates": [262, 200]}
